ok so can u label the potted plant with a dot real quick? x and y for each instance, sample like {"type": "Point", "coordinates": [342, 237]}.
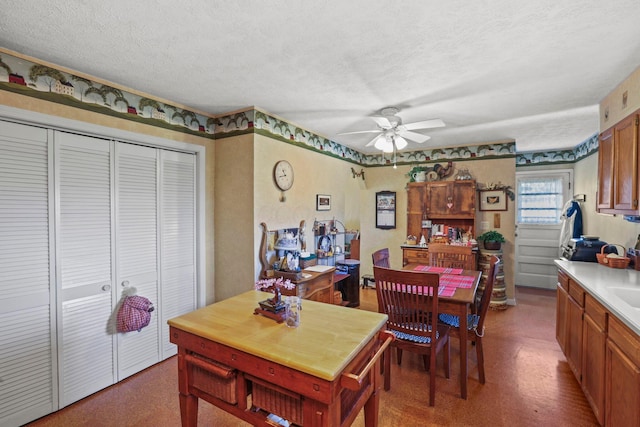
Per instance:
{"type": "Point", "coordinates": [492, 240]}
{"type": "Point", "coordinates": [417, 174]}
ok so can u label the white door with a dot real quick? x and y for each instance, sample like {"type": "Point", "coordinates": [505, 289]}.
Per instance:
{"type": "Point", "coordinates": [83, 182]}
{"type": "Point", "coordinates": [27, 360]}
{"type": "Point", "coordinates": [136, 172]}
{"type": "Point", "coordinates": [178, 240]}
{"type": "Point", "coordinates": [540, 198]}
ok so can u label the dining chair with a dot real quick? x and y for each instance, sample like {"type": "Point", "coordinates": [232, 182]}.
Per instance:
{"type": "Point", "coordinates": [410, 300]}
{"type": "Point", "coordinates": [475, 322]}
{"type": "Point", "coordinates": [452, 256]}
{"type": "Point", "coordinates": [381, 258]}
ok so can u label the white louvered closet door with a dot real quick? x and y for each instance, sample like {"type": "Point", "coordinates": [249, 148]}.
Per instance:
{"type": "Point", "coordinates": [27, 364]}
{"type": "Point", "coordinates": [83, 246]}
{"type": "Point", "coordinates": [178, 240]}
{"type": "Point", "coordinates": [137, 249]}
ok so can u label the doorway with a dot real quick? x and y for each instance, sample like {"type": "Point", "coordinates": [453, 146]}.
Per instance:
{"type": "Point", "coordinates": [540, 198]}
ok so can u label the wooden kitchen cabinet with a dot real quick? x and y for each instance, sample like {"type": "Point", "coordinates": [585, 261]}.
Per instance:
{"type": "Point", "coordinates": [594, 337]}
{"type": "Point", "coordinates": [561, 310]}
{"type": "Point", "coordinates": [622, 376]}
{"type": "Point", "coordinates": [603, 353]}
{"type": "Point", "coordinates": [575, 311]}
{"type": "Point", "coordinates": [605, 170]}
{"type": "Point", "coordinates": [618, 168]}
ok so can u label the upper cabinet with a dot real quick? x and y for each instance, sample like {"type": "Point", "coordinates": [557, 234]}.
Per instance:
{"type": "Point", "coordinates": [452, 203]}
{"type": "Point", "coordinates": [451, 199]}
{"type": "Point", "coordinates": [618, 168]}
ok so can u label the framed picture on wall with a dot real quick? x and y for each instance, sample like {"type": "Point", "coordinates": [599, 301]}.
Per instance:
{"type": "Point", "coordinates": [493, 200]}
{"type": "Point", "coordinates": [323, 202]}
{"type": "Point", "coordinates": [386, 209]}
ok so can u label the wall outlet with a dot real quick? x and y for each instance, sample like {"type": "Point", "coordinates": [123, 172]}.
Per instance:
{"type": "Point", "coordinates": [484, 225]}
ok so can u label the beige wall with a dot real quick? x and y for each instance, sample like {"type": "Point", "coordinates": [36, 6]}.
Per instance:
{"type": "Point", "coordinates": [613, 102]}
{"type": "Point", "coordinates": [314, 173]}
{"type": "Point", "coordinates": [234, 217]}
{"type": "Point", "coordinates": [610, 228]}
{"type": "Point", "coordinates": [387, 178]}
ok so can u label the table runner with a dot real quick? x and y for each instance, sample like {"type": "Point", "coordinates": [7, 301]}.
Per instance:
{"type": "Point", "coordinates": [434, 269]}
{"type": "Point", "coordinates": [448, 284]}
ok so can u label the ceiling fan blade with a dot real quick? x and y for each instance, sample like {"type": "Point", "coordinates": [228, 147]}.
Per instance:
{"type": "Point", "coordinates": [370, 143]}
{"type": "Point", "coordinates": [426, 124]}
{"type": "Point", "coordinates": [414, 136]}
{"type": "Point", "coordinates": [383, 122]}
{"type": "Point", "coordinates": [360, 131]}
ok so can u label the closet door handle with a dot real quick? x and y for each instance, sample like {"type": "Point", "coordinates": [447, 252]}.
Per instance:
{"type": "Point", "coordinates": [106, 288]}
{"type": "Point", "coordinates": [125, 283]}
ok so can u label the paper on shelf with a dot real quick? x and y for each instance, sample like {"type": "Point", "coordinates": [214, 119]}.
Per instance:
{"type": "Point", "coordinates": [319, 268]}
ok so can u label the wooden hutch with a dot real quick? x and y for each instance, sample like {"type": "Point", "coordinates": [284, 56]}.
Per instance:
{"type": "Point", "coordinates": [452, 203]}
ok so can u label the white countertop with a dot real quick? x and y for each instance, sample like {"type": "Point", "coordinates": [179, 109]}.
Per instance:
{"type": "Point", "coordinates": [603, 282]}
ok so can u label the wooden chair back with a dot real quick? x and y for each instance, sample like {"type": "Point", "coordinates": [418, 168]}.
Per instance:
{"type": "Point", "coordinates": [451, 256]}
{"type": "Point", "coordinates": [485, 300]}
{"type": "Point", "coordinates": [410, 300]}
{"type": "Point", "coordinates": [381, 258]}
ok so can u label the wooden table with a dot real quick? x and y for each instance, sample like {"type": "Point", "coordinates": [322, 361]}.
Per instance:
{"type": "Point", "coordinates": [459, 305]}
{"type": "Point", "coordinates": [318, 374]}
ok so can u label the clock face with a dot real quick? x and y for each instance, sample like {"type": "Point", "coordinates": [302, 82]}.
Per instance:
{"type": "Point", "coordinates": [283, 175]}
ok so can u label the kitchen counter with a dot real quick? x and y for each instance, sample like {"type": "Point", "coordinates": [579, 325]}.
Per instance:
{"type": "Point", "coordinates": [608, 286]}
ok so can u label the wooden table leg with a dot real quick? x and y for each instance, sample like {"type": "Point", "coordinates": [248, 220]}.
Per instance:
{"type": "Point", "coordinates": [463, 350]}
{"type": "Point", "coordinates": [371, 409]}
{"type": "Point", "coordinates": [188, 410]}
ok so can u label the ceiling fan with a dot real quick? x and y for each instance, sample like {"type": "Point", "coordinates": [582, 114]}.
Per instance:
{"type": "Point", "coordinates": [392, 134]}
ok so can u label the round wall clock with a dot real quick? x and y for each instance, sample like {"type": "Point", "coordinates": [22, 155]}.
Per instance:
{"type": "Point", "coordinates": [283, 176]}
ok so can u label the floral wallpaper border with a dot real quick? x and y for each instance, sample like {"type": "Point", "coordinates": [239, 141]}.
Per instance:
{"type": "Point", "coordinates": [255, 120]}
{"type": "Point", "coordinates": [28, 78]}
{"type": "Point", "coordinates": [582, 150]}
{"type": "Point", "coordinates": [43, 82]}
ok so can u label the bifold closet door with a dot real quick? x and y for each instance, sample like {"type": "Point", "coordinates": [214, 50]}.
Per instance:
{"type": "Point", "coordinates": [178, 240]}
{"type": "Point", "coordinates": [137, 250]}
{"type": "Point", "coordinates": [86, 342]}
{"type": "Point", "coordinates": [27, 362]}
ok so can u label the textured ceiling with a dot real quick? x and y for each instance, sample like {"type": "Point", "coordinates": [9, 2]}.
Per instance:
{"type": "Point", "coordinates": [529, 71]}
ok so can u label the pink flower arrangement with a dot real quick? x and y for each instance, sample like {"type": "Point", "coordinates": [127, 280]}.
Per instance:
{"type": "Point", "coordinates": [273, 284]}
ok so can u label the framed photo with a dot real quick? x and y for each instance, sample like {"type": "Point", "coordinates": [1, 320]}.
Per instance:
{"type": "Point", "coordinates": [323, 202]}
{"type": "Point", "coordinates": [386, 209]}
{"type": "Point", "coordinates": [493, 200]}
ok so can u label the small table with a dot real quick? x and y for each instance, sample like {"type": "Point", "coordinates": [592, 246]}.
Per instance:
{"type": "Point", "coordinates": [312, 375]}
{"type": "Point", "coordinates": [459, 305]}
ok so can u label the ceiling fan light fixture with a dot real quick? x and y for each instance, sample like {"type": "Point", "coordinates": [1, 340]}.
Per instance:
{"type": "Point", "coordinates": [384, 144]}
{"type": "Point", "coordinates": [400, 142]}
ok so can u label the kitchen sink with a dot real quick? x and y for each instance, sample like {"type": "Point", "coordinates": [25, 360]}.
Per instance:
{"type": "Point", "coordinates": [631, 296]}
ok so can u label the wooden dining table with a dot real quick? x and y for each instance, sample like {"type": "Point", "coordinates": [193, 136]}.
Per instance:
{"type": "Point", "coordinates": [458, 304]}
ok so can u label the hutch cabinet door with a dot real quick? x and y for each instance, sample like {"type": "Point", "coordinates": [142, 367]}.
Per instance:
{"type": "Point", "coordinates": [451, 199]}
{"type": "Point", "coordinates": [416, 205]}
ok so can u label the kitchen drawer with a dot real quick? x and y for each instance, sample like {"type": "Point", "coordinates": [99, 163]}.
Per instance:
{"type": "Point", "coordinates": [625, 339]}
{"type": "Point", "coordinates": [576, 292]}
{"type": "Point", "coordinates": [596, 311]}
{"type": "Point", "coordinates": [415, 255]}
{"type": "Point", "coordinates": [563, 280]}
